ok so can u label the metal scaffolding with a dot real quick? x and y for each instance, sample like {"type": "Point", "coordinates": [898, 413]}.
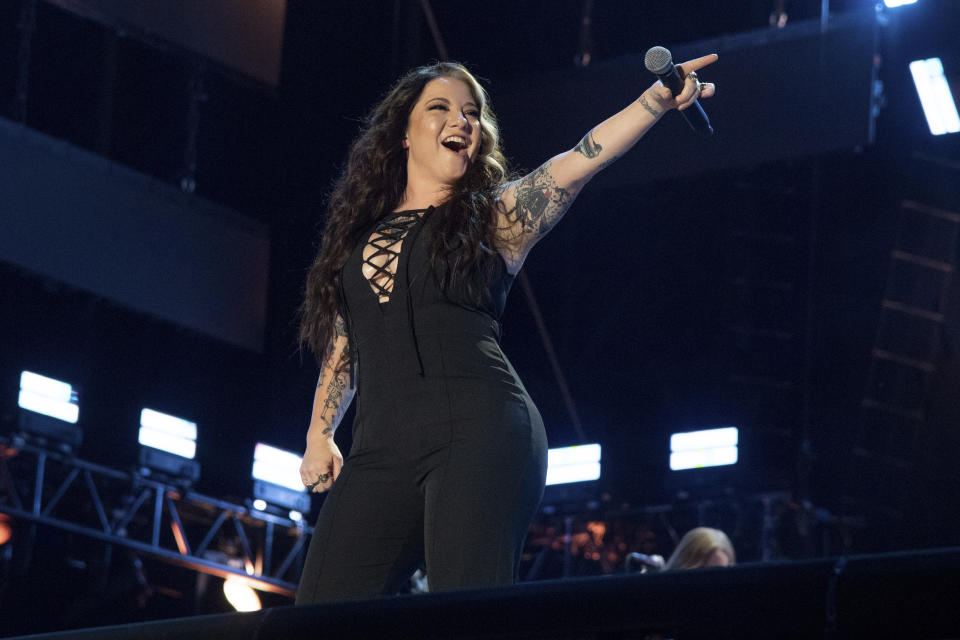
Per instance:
{"type": "Point", "coordinates": [180, 527]}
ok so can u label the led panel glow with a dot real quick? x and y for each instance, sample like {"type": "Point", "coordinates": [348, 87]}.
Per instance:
{"type": "Point", "coordinates": [277, 466]}
{"type": "Point", "coordinates": [934, 91]}
{"type": "Point", "coordinates": [580, 463]}
{"type": "Point", "coordinates": [704, 448]}
{"type": "Point", "coordinates": [50, 397]}
{"type": "Point", "coordinates": [168, 433]}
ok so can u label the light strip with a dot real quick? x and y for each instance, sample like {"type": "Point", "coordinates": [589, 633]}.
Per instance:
{"type": "Point", "coordinates": [699, 458]}
{"type": "Point", "coordinates": [704, 439]}
{"type": "Point", "coordinates": [168, 424]}
{"type": "Point", "coordinates": [44, 386]}
{"type": "Point", "coordinates": [897, 3]}
{"type": "Point", "coordinates": [934, 91]}
{"type": "Point", "coordinates": [704, 448]}
{"type": "Point", "coordinates": [277, 466]}
{"type": "Point", "coordinates": [573, 473]}
{"type": "Point", "coordinates": [177, 445]}
{"type": "Point", "coordinates": [33, 401]}
{"type": "Point", "coordinates": [580, 463]}
{"type": "Point", "coordinates": [573, 455]}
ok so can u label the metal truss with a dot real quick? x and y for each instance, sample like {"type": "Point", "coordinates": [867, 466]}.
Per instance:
{"type": "Point", "coordinates": [124, 508]}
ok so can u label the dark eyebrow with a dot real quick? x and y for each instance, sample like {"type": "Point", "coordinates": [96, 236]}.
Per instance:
{"type": "Point", "coordinates": [466, 104]}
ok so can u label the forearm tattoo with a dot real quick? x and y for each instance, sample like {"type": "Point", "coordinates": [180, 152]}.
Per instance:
{"type": "Point", "coordinates": [340, 326]}
{"type": "Point", "coordinates": [646, 105]}
{"type": "Point", "coordinates": [588, 147]}
{"type": "Point", "coordinates": [334, 405]}
{"type": "Point", "coordinates": [540, 202]}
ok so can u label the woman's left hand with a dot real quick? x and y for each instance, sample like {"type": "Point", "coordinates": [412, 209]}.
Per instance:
{"type": "Point", "coordinates": [693, 88]}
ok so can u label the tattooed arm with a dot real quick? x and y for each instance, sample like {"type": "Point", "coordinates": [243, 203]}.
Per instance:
{"type": "Point", "coordinates": [531, 206]}
{"type": "Point", "coordinates": [322, 458]}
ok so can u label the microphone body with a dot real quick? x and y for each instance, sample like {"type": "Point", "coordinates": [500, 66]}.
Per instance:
{"type": "Point", "coordinates": [659, 61]}
{"type": "Point", "coordinates": [654, 562]}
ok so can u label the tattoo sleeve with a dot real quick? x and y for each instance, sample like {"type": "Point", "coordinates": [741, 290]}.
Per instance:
{"type": "Point", "coordinates": [588, 147]}
{"type": "Point", "coordinates": [336, 401]}
{"type": "Point", "coordinates": [335, 404]}
{"type": "Point", "coordinates": [540, 202]}
{"type": "Point", "coordinates": [340, 327]}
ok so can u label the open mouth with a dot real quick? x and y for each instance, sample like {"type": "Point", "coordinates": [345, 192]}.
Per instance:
{"type": "Point", "coordinates": [455, 143]}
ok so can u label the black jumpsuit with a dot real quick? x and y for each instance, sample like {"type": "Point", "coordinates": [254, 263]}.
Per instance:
{"type": "Point", "coordinates": [449, 452]}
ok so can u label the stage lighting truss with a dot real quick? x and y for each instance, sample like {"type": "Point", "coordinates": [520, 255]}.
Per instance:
{"type": "Point", "coordinates": [150, 517]}
{"type": "Point", "coordinates": [276, 481]}
{"type": "Point", "coordinates": [168, 446]}
{"type": "Point", "coordinates": [49, 412]}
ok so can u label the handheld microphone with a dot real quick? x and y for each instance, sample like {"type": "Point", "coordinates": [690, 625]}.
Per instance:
{"type": "Point", "coordinates": [653, 563]}
{"type": "Point", "coordinates": [659, 62]}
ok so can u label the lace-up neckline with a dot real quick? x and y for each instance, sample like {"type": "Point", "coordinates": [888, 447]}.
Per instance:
{"type": "Point", "coordinates": [381, 253]}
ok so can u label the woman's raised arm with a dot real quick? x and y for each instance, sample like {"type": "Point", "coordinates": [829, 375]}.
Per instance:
{"type": "Point", "coordinates": [532, 205]}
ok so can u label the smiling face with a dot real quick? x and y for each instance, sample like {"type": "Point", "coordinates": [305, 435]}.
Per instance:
{"type": "Point", "coordinates": [443, 133]}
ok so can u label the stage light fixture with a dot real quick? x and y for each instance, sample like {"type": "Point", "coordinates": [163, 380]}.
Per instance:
{"type": "Point", "coordinates": [934, 91]}
{"type": "Point", "coordinates": [580, 463]}
{"type": "Point", "coordinates": [50, 411]}
{"type": "Point", "coordinates": [276, 480]}
{"type": "Point", "coordinates": [168, 446]}
{"type": "Point", "coordinates": [240, 594]}
{"type": "Point", "coordinates": [897, 3]}
{"type": "Point", "coordinates": [704, 448]}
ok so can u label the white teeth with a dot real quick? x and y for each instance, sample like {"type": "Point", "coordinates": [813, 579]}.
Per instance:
{"type": "Point", "coordinates": [458, 139]}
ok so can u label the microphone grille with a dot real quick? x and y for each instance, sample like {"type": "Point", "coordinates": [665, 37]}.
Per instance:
{"type": "Point", "coordinates": [658, 60]}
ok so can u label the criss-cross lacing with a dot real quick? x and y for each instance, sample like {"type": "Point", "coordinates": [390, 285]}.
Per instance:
{"type": "Point", "coordinates": [380, 265]}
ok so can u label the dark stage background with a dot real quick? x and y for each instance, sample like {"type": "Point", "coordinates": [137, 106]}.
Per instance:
{"type": "Point", "coordinates": [699, 283]}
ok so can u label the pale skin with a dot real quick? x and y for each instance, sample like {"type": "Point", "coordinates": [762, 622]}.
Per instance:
{"type": "Point", "coordinates": [528, 208]}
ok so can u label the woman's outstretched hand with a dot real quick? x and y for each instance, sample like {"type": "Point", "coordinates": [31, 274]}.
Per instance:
{"type": "Point", "coordinates": [321, 464]}
{"type": "Point", "coordinates": [693, 87]}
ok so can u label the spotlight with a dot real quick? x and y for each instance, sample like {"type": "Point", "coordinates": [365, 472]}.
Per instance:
{"type": "Point", "coordinates": [240, 594]}
{"type": "Point", "coordinates": [938, 105]}
{"type": "Point", "coordinates": [168, 446]}
{"type": "Point", "coordinates": [571, 475]}
{"type": "Point", "coordinates": [50, 411]}
{"type": "Point", "coordinates": [897, 3]}
{"type": "Point", "coordinates": [580, 463]}
{"type": "Point", "coordinates": [276, 479]}
{"type": "Point", "coordinates": [706, 448]}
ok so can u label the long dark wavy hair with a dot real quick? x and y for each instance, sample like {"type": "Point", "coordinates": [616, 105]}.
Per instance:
{"type": "Point", "coordinates": [371, 185]}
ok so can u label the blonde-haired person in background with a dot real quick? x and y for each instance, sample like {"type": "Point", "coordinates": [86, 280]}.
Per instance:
{"type": "Point", "coordinates": [702, 547]}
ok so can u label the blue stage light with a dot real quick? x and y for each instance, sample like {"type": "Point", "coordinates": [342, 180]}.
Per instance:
{"type": "Point", "coordinates": [897, 3]}
{"type": "Point", "coordinates": [705, 448]}
{"type": "Point", "coordinates": [276, 480]}
{"type": "Point", "coordinates": [168, 433]}
{"type": "Point", "coordinates": [49, 397]}
{"type": "Point", "coordinates": [580, 463]}
{"type": "Point", "coordinates": [50, 412]}
{"type": "Point", "coordinates": [168, 447]}
{"type": "Point", "coordinates": [934, 91]}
